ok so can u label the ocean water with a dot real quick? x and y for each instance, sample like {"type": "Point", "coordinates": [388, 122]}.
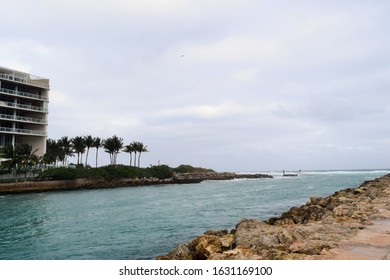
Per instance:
{"type": "Point", "coordinates": [143, 222]}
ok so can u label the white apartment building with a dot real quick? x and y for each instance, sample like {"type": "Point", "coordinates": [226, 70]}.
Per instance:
{"type": "Point", "coordinates": [24, 100]}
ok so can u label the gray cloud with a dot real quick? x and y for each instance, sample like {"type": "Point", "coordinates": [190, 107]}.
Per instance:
{"type": "Point", "coordinates": [230, 85]}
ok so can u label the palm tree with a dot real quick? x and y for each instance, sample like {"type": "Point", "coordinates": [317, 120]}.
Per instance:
{"type": "Point", "coordinates": [129, 149]}
{"type": "Point", "coordinates": [140, 148]}
{"type": "Point", "coordinates": [79, 147]}
{"type": "Point", "coordinates": [10, 160]}
{"type": "Point", "coordinates": [135, 150]}
{"type": "Point", "coordinates": [20, 157]}
{"type": "Point", "coordinates": [113, 146]}
{"type": "Point", "coordinates": [88, 141]}
{"type": "Point", "coordinates": [66, 149]}
{"type": "Point", "coordinates": [27, 157]}
{"type": "Point", "coordinates": [97, 143]}
{"type": "Point", "coordinates": [53, 152]}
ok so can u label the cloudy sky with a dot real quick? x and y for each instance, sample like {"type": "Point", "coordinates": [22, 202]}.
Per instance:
{"type": "Point", "coordinates": [233, 85]}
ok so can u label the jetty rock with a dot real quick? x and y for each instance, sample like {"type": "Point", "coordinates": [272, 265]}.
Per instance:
{"type": "Point", "coordinates": [202, 176]}
{"type": "Point", "coordinates": [350, 224]}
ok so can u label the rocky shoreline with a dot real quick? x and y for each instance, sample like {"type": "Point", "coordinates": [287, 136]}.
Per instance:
{"type": "Point", "coordinates": [350, 224]}
{"type": "Point", "coordinates": [83, 183]}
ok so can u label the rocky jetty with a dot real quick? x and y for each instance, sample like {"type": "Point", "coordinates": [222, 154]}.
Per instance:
{"type": "Point", "coordinates": [350, 224]}
{"type": "Point", "coordinates": [188, 177]}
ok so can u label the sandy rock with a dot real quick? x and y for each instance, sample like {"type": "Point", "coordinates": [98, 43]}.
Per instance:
{"type": "Point", "coordinates": [206, 245]}
{"type": "Point", "coordinates": [255, 234]}
{"type": "Point", "coordinates": [238, 253]}
{"type": "Point", "coordinates": [287, 237]}
{"type": "Point", "coordinates": [227, 241]}
{"type": "Point", "coordinates": [182, 252]}
{"type": "Point", "coordinates": [314, 200]}
{"type": "Point", "coordinates": [314, 247]}
{"type": "Point", "coordinates": [216, 232]}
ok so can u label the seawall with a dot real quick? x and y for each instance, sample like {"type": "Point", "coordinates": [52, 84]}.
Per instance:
{"type": "Point", "coordinates": [42, 186]}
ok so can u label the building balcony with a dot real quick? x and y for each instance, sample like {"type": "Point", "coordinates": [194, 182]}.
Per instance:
{"type": "Point", "coordinates": [23, 119]}
{"type": "Point", "coordinates": [22, 131]}
{"type": "Point", "coordinates": [23, 107]}
{"type": "Point", "coordinates": [23, 94]}
{"type": "Point", "coordinates": [24, 78]}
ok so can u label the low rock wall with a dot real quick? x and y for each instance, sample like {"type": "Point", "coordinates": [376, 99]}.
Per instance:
{"type": "Point", "coordinates": [41, 186]}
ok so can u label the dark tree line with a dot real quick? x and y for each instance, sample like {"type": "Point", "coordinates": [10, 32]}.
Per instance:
{"type": "Point", "coordinates": [59, 151]}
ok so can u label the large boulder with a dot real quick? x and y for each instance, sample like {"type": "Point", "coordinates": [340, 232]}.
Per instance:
{"type": "Point", "coordinates": [238, 253]}
{"type": "Point", "coordinates": [181, 252]}
{"type": "Point", "coordinates": [259, 235]}
{"type": "Point", "coordinates": [202, 247]}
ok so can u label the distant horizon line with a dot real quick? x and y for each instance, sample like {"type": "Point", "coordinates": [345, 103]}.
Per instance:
{"type": "Point", "coordinates": [319, 170]}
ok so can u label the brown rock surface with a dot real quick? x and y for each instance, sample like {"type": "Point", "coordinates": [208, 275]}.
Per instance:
{"type": "Point", "coordinates": [350, 224]}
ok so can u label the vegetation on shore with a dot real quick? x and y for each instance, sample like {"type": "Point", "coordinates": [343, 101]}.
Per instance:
{"type": "Point", "coordinates": [54, 164]}
{"type": "Point", "coordinates": [19, 159]}
{"type": "Point", "coordinates": [111, 172]}
{"type": "Point", "coordinates": [184, 168]}
{"type": "Point", "coordinates": [59, 151]}
{"type": "Point", "coordinates": [22, 159]}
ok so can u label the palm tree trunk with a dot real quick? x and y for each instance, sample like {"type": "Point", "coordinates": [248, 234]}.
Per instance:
{"type": "Point", "coordinates": [15, 171]}
{"type": "Point", "coordinates": [116, 155]}
{"type": "Point", "coordinates": [86, 157]}
{"type": "Point", "coordinates": [96, 163]}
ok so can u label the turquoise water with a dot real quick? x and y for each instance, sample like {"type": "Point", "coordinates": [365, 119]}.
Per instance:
{"type": "Point", "coordinates": [143, 222]}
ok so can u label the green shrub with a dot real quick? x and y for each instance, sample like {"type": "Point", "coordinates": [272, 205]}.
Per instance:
{"type": "Point", "coordinates": [161, 171]}
{"type": "Point", "coordinates": [60, 173]}
{"type": "Point", "coordinates": [184, 168]}
{"type": "Point", "coordinates": [120, 171]}
{"type": "Point", "coordinates": [109, 172]}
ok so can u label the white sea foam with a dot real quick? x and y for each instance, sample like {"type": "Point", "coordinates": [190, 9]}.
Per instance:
{"type": "Point", "coordinates": [340, 172]}
{"type": "Point", "coordinates": [323, 172]}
